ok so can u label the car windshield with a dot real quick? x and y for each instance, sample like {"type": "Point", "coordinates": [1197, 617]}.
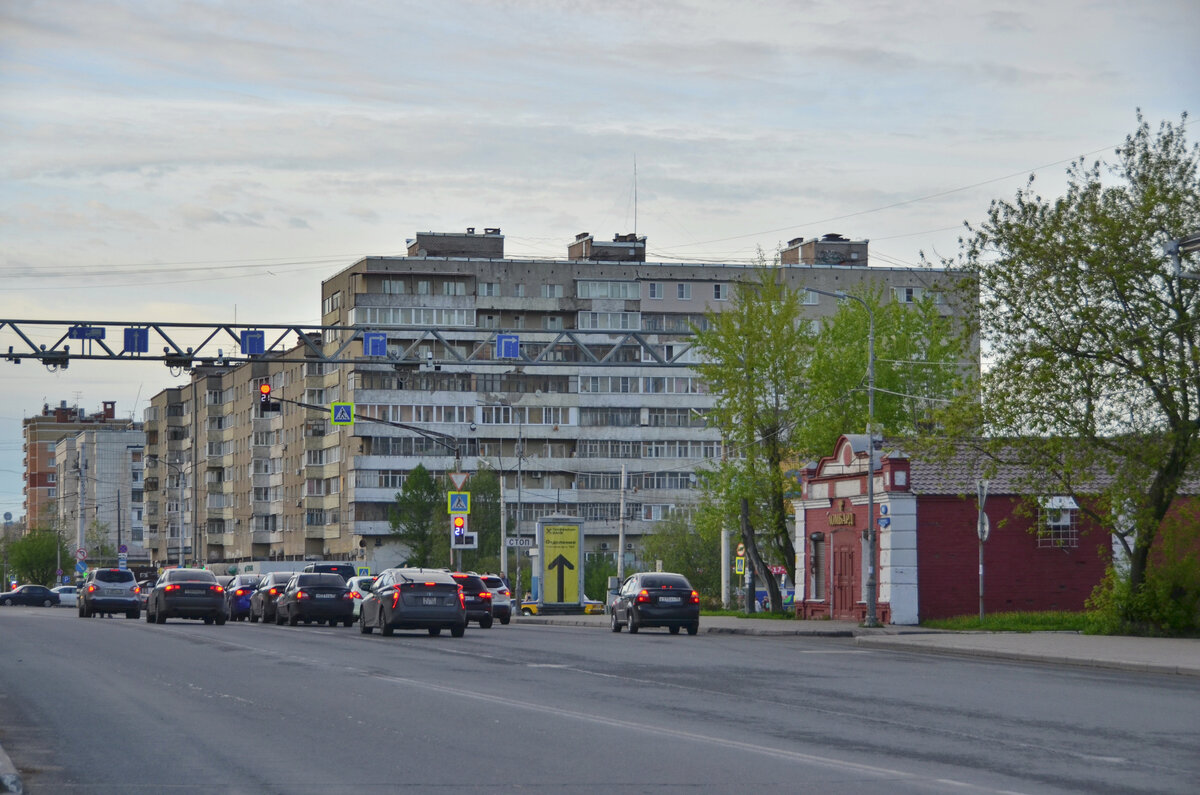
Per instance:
{"type": "Point", "coordinates": [493, 582]}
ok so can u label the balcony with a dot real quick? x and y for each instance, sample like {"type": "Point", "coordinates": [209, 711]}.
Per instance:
{"type": "Point", "coordinates": [266, 537]}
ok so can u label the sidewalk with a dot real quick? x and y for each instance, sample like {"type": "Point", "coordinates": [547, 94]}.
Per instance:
{"type": "Point", "coordinates": [1148, 655]}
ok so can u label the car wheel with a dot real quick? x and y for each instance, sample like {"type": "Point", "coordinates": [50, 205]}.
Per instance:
{"type": "Point", "coordinates": [208, 621]}
{"type": "Point", "coordinates": [47, 603]}
{"type": "Point", "coordinates": [632, 623]}
{"type": "Point", "coordinates": [135, 614]}
{"type": "Point", "coordinates": [673, 630]}
{"type": "Point", "coordinates": [149, 616]}
{"type": "Point", "coordinates": [220, 619]}
{"type": "Point", "coordinates": [504, 620]}
{"type": "Point", "coordinates": [278, 617]}
{"type": "Point", "coordinates": [693, 627]}
{"type": "Point", "coordinates": [79, 609]}
{"type": "Point", "coordinates": [525, 611]}
{"type": "Point", "coordinates": [294, 619]}
{"type": "Point", "coordinates": [386, 629]}
{"type": "Point", "coordinates": [486, 623]}
{"type": "Point", "coordinates": [435, 631]}
{"type": "Point", "coordinates": [8, 602]}
{"type": "Point", "coordinates": [362, 625]}
{"type": "Point", "coordinates": [160, 617]}
{"type": "Point", "coordinates": [253, 617]}
{"type": "Point", "coordinates": [459, 630]}
{"type": "Point", "coordinates": [616, 625]}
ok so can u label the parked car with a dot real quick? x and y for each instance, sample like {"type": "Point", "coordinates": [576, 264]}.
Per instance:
{"type": "Point", "coordinates": [592, 607]}
{"type": "Point", "coordinates": [315, 597]}
{"type": "Point", "coordinates": [29, 595]}
{"type": "Point", "coordinates": [410, 598]}
{"type": "Point", "coordinates": [186, 593]}
{"type": "Point", "coordinates": [262, 601]}
{"type": "Point", "coordinates": [529, 608]}
{"type": "Point", "coordinates": [109, 591]}
{"type": "Point", "coordinates": [501, 597]}
{"type": "Point", "coordinates": [238, 593]}
{"type": "Point", "coordinates": [476, 598]}
{"type": "Point", "coordinates": [656, 599]}
{"type": "Point", "coordinates": [345, 569]}
{"type": "Point", "coordinates": [358, 587]}
{"type": "Point", "coordinates": [66, 595]}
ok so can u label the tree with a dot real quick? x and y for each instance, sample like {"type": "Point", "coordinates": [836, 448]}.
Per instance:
{"type": "Point", "coordinates": [34, 558]}
{"type": "Point", "coordinates": [97, 540]}
{"type": "Point", "coordinates": [1094, 340]}
{"type": "Point", "coordinates": [418, 519]}
{"type": "Point", "coordinates": [754, 358]}
{"type": "Point", "coordinates": [690, 546]}
{"type": "Point", "coordinates": [484, 486]}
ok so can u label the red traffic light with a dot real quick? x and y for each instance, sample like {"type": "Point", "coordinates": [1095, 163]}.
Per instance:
{"type": "Point", "coordinates": [264, 392]}
{"type": "Point", "coordinates": [459, 523]}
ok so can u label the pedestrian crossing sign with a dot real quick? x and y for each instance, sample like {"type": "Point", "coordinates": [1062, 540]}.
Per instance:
{"type": "Point", "coordinates": [343, 413]}
{"type": "Point", "coordinates": [458, 502]}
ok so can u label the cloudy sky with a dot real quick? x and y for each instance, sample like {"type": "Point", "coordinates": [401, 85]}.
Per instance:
{"type": "Point", "coordinates": [214, 161]}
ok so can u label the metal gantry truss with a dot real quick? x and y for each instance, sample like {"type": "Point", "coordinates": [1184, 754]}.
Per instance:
{"type": "Point", "coordinates": [188, 345]}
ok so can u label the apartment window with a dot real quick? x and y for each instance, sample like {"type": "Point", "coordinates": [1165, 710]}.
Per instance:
{"type": "Point", "coordinates": [489, 321]}
{"type": "Point", "coordinates": [1058, 523]}
{"type": "Point", "coordinates": [683, 292]}
{"type": "Point", "coordinates": [809, 298]}
{"type": "Point", "coordinates": [630, 291]}
{"type": "Point", "coordinates": [655, 290]}
{"type": "Point", "coordinates": [519, 321]}
{"type": "Point", "coordinates": [423, 287]}
{"type": "Point", "coordinates": [393, 287]}
{"type": "Point", "coordinates": [518, 291]}
{"type": "Point", "coordinates": [552, 323]}
{"type": "Point", "coordinates": [552, 291]}
{"type": "Point", "coordinates": [454, 288]}
{"type": "Point", "coordinates": [720, 292]}
{"type": "Point", "coordinates": [489, 289]}
{"type": "Point", "coordinates": [332, 303]}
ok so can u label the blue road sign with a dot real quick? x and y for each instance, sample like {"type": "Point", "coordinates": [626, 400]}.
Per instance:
{"type": "Point", "coordinates": [137, 340]}
{"type": "Point", "coordinates": [374, 343]}
{"type": "Point", "coordinates": [253, 342]}
{"type": "Point", "coordinates": [81, 567]}
{"type": "Point", "coordinates": [343, 413]}
{"type": "Point", "coordinates": [508, 346]}
{"type": "Point", "coordinates": [458, 502]}
{"type": "Point", "coordinates": [85, 333]}
{"type": "Point", "coordinates": [884, 521]}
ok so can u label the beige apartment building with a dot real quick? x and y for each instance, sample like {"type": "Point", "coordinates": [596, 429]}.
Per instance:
{"type": "Point", "coordinates": [570, 377]}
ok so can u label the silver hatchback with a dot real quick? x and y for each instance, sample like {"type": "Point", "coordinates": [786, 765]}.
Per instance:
{"type": "Point", "coordinates": [109, 591]}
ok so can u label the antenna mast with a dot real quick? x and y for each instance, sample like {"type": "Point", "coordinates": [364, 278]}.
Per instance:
{"type": "Point", "coordinates": [635, 195]}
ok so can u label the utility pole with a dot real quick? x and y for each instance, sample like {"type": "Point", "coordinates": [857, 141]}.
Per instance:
{"type": "Point", "coordinates": [621, 531]}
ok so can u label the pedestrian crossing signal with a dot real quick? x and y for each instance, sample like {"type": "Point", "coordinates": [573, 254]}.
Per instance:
{"type": "Point", "coordinates": [264, 394]}
{"type": "Point", "coordinates": [459, 524]}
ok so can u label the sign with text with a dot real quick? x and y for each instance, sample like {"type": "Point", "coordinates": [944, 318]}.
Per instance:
{"type": "Point", "coordinates": [560, 541]}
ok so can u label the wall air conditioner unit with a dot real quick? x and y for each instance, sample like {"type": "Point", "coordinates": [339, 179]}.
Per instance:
{"type": "Point", "coordinates": [603, 545]}
{"type": "Point", "coordinates": [629, 547]}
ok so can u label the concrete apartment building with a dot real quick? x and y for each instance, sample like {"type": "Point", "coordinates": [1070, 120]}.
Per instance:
{"type": "Point", "coordinates": [100, 496]}
{"type": "Point", "coordinates": [598, 384]}
{"type": "Point", "coordinates": [41, 435]}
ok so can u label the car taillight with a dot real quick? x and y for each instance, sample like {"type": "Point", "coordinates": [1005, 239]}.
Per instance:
{"type": "Point", "coordinates": [91, 589]}
{"type": "Point", "coordinates": [395, 598]}
{"type": "Point", "coordinates": [217, 588]}
{"type": "Point", "coordinates": [137, 589]}
{"type": "Point", "coordinates": [505, 592]}
{"type": "Point", "coordinates": [354, 595]}
{"type": "Point", "coordinates": [240, 592]}
{"type": "Point", "coordinates": [349, 595]}
{"type": "Point", "coordinates": [462, 600]}
{"type": "Point", "coordinates": [302, 594]}
{"type": "Point", "coordinates": [170, 588]}
{"type": "Point", "coordinates": [485, 594]}
{"type": "Point", "coordinates": [695, 598]}
{"type": "Point", "coordinates": [273, 592]}
{"type": "Point", "coordinates": [643, 596]}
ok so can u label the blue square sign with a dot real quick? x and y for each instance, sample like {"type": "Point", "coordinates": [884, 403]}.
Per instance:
{"type": "Point", "coordinates": [508, 346]}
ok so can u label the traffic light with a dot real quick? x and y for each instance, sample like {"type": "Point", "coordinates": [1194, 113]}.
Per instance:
{"type": "Point", "coordinates": [264, 394]}
{"type": "Point", "coordinates": [459, 524]}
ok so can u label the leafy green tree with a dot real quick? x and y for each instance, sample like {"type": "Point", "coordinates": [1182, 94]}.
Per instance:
{"type": "Point", "coordinates": [692, 547]}
{"type": "Point", "coordinates": [418, 519]}
{"type": "Point", "coordinates": [484, 486]}
{"type": "Point", "coordinates": [34, 557]}
{"type": "Point", "coordinates": [595, 577]}
{"type": "Point", "coordinates": [755, 356]}
{"type": "Point", "coordinates": [98, 542]}
{"type": "Point", "coordinates": [1094, 339]}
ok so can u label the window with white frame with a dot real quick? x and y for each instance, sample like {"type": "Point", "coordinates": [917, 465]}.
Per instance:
{"type": "Point", "coordinates": [655, 290]}
{"type": "Point", "coordinates": [454, 288]}
{"type": "Point", "coordinates": [552, 323]}
{"type": "Point", "coordinates": [423, 287]}
{"type": "Point", "coordinates": [392, 287]}
{"type": "Point", "coordinates": [720, 292]}
{"type": "Point", "coordinates": [683, 292]}
{"type": "Point", "coordinates": [552, 291]}
{"type": "Point", "coordinates": [489, 289]}
{"type": "Point", "coordinates": [1058, 523]}
{"type": "Point", "coordinates": [518, 291]}
{"type": "Point", "coordinates": [809, 298]}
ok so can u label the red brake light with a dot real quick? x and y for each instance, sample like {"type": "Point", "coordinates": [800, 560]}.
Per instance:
{"type": "Point", "coordinates": [301, 594]}
{"type": "Point", "coordinates": [505, 592]}
{"type": "Point", "coordinates": [431, 584]}
{"type": "Point", "coordinates": [643, 596]}
{"type": "Point", "coordinates": [485, 594]}
{"type": "Point", "coordinates": [91, 589]}
{"type": "Point", "coordinates": [462, 601]}
{"type": "Point", "coordinates": [137, 589]}
{"type": "Point", "coordinates": [171, 587]}
{"type": "Point", "coordinates": [395, 598]}
{"type": "Point", "coordinates": [240, 592]}
{"type": "Point", "coordinates": [218, 588]}
{"type": "Point", "coordinates": [695, 598]}
{"type": "Point", "coordinates": [354, 595]}
{"type": "Point", "coordinates": [273, 592]}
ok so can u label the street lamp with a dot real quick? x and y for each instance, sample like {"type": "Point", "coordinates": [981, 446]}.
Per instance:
{"type": "Point", "coordinates": [872, 580]}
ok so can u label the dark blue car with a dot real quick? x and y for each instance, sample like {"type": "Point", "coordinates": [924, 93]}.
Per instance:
{"type": "Point", "coordinates": [237, 595]}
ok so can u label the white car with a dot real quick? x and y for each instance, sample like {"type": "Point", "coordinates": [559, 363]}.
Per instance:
{"type": "Point", "coordinates": [501, 597]}
{"type": "Point", "coordinates": [359, 587]}
{"type": "Point", "coordinates": [66, 595]}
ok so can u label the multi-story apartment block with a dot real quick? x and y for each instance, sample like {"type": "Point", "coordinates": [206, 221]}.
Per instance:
{"type": "Point", "coordinates": [571, 378]}
{"type": "Point", "coordinates": [42, 433]}
{"type": "Point", "coordinates": [100, 475]}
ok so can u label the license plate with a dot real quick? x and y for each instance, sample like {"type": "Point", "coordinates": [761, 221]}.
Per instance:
{"type": "Point", "coordinates": [195, 590]}
{"type": "Point", "coordinates": [113, 591]}
{"type": "Point", "coordinates": [430, 600]}
{"type": "Point", "coordinates": [324, 596]}
{"type": "Point", "coordinates": [669, 600]}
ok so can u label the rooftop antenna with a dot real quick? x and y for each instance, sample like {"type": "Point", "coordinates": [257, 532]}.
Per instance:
{"type": "Point", "coordinates": [635, 195]}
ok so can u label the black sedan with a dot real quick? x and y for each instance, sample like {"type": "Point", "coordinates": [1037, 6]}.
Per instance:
{"type": "Point", "coordinates": [262, 601]}
{"type": "Point", "coordinates": [37, 595]}
{"type": "Point", "coordinates": [477, 598]}
{"type": "Point", "coordinates": [411, 598]}
{"type": "Point", "coordinates": [315, 597]}
{"type": "Point", "coordinates": [186, 593]}
{"type": "Point", "coordinates": [656, 599]}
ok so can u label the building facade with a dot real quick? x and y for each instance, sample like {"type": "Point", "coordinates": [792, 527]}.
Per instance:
{"type": "Point", "coordinates": [572, 378]}
{"type": "Point", "coordinates": [41, 434]}
{"type": "Point", "coordinates": [100, 501]}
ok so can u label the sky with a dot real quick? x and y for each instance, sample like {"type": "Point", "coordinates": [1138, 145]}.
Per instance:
{"type": "Point", "coordinates": [215, 161]}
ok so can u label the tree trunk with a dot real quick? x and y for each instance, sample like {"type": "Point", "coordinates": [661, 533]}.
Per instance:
{"type": "Point", "coordinates": [760, 570]}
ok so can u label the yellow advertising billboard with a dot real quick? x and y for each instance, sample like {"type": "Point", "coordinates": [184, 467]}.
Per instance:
{"type": "Point", "coordinates": [561, 563]}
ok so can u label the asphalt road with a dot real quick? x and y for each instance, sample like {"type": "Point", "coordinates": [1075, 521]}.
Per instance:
{"type": "Point", "coordinates": [113, 705]}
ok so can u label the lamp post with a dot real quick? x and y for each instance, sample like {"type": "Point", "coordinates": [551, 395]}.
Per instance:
{"type": "Point", "coordinates": [179, 481]}
{"type": "Point", "coordinates": [872, 578]}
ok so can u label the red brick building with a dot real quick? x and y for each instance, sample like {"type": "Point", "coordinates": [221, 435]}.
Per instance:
{"type": "Point", "coordinates": [928, 547]}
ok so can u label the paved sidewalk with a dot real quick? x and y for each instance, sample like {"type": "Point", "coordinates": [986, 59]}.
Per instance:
{"type": "Point", "coordinates": [1150, 655]}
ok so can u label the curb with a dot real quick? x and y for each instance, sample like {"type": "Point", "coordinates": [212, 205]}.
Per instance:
{"type": "Point", "coordinates": [10, 779]}
{"type": "Point", "coordinates": [882, 642]}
